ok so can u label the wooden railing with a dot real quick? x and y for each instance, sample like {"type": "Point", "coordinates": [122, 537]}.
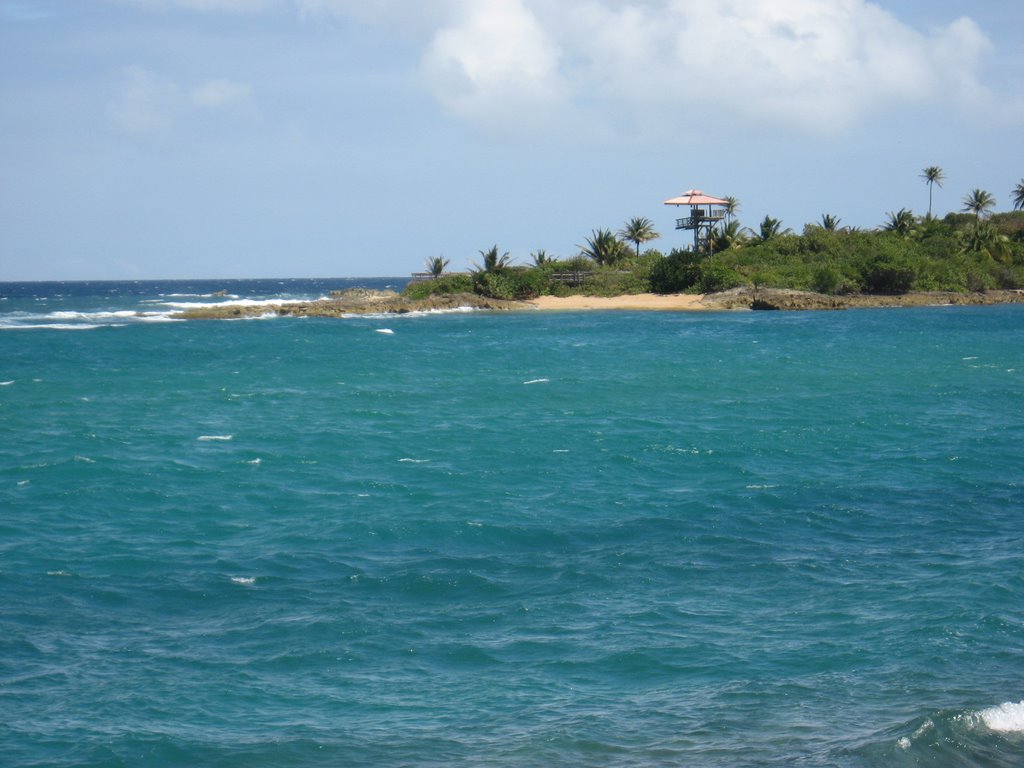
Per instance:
{"type": "Point", "coordinates": [695, 220]}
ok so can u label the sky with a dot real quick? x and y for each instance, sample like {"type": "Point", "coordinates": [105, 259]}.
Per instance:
{"type": "Point", "coordinates": [154, 139]}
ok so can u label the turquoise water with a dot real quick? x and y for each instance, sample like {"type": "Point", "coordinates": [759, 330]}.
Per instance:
{"type": "Point", "coordinates": [539, 539]}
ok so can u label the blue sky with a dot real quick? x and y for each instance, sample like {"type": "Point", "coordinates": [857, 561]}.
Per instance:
{"type": "Point", "coordinates": [316, 138]}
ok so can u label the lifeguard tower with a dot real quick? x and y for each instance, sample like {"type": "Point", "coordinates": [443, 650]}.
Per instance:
{"type": "Point", "coordinates": [705, 212]}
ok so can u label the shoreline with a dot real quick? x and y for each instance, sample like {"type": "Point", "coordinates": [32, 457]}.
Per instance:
{"type": "Point", "coordinates": [362, 301]}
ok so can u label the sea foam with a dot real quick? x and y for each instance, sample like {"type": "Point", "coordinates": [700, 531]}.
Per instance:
{"type": "Point", "coordinates": [1006, 718]}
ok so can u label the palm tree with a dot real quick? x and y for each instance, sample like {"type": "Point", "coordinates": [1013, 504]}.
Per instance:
{"type": "Point", "coordinates": [984, 239]}
{"type": "Point", "coordinates": [727, 236]}
{"type": "Point", "coordinates": [830, 222]}
{"type": "Point", "coordinates": [979, 202]}
{"type": "Point", "coordinates": [932, 175]}
{"type": "Point", "coordinates": [603, 247]}
{"type": "Point", "coordinates": [541, 258]}
{"type": "Point", "coordinates": [1018, 196]}
{"type": "Point", "coordinates": [436, 265]}
{"type": "Point", "coordinates": [771, 228]}
{"type": "Point", "coordinates": [638, 230]}
{"type": "Point", "coordinates": [731, 206]}
{"type": "Point", "coordinates": [492, 261]}
{"type": "Point", "coordinates": [902, 222]}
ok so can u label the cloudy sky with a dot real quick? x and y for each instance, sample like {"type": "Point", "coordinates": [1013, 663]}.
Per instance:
{"type": "Point", "coordinates": [318, 138]}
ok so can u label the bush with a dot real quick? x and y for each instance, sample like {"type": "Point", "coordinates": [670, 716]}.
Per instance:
{"type": "Point", "coordinates": [512, 284]}
{"type": "Point", "coordinates": [826, 279]}
{"type": "Point", "coordinates": [677, 272]}
{"type": "Point", "coordinates": [444, 285]}
{"type": "Point", "coordinates": [887, 274]}
{"type": "Point", "coordinates": [716, 277]}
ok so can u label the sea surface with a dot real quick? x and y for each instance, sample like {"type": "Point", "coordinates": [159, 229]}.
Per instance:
{"type": "Point", "coordinates": [528, 539]}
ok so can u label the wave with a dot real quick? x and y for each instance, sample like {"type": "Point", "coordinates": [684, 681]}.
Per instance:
{"type": "Point", "coordinates": [222, 438]}
{"type": "Point", "coordinates": [70, 320]}
{"type": "Point", "coordinates": [992, 736]}
{"type": "Point", "coordinates": [53, 326]}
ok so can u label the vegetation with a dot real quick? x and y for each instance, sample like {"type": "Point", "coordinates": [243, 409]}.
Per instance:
{"type": "Point", "coordinates": [932, 175]}
{"type": "Point", "coordinates": [436, 265]}
{"type": "Point", "coordinates": [604, 248]}
{"type": "Point", "coordinates": [975, 250]}
{"type": "Point", "coordinates": [638, 231]}
{"type": "Point", "coordinates": [979, 202]}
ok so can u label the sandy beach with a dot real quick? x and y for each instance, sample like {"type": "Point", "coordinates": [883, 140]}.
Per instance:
{"type": "Point", "coordinates": [652, 301]}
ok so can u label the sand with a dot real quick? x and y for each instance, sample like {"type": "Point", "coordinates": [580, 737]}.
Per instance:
{"type": "Point", "coordinates": [652, 301]}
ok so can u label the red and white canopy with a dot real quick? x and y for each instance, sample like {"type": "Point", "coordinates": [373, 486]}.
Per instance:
{"type": "Point", "coordinates": [696, 197]}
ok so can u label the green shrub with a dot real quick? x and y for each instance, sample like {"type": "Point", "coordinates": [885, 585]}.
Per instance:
{"type": "Point", "coordinates": [715, 277]}
{"type": "Point", "coordinates": [677, 272]}
{"type": "Point", "coordinates": [887, 274]}
{"type": "Point", "coordinates": [444, 285]}
{"type": "Point", "coordinates": [826, 279]}
{"type": "Point", "coordinates": [512, 284]}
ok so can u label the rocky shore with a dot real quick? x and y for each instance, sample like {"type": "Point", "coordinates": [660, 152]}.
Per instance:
{"type": "Point", "coordinates": [355, 301]}
{"type": "Point", "coordinates": [360, 301]}
{"type": "Point", "coordinates": [779, 298]}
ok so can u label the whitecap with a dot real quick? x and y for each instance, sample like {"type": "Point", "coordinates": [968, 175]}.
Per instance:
{"type": "Point", "coordinates": [244, 579]}
{"type": "Point", "coordinates": [255, 461]}
{"type": "Point", "coordinates": [54, 326]}
{"type": "Point", "coordinates": [57, 573]}
{"type": "Point", "coordinates": [413, 461]}
{"type": "Point", "coordinates": [23, 483]}
{"type": "Point", "coordinates": [85, 459]}
{"type": "Point", "coordinates": [6, 383]}
{"type": "Point", "coordinates": [537, 381]}
{"type": "Point", "coordinates": [1006, 718]}
{"type": "Point", "coordinates": [560, 450]}
{"type": "Point", "coordinates": [216, 437]}
{"type": "Point", "coordinates": [386, 331]}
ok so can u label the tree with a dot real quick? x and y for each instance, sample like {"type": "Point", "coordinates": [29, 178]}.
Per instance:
{"type": "Point", "coordinates": [829, 222]}
{"type": "Point", "coordinates": [541, 258]}
{"type": "Point", "coordinates": [984, 239]}
{"type": "Point", "coordinates": [603, 247]}
{"type": "Point", "coordinates": [436, 265]}
{"type": "Point", "coordinates": [638, 230]}
{"type": "Point", "coordinates": [902, 222]}
{"type": "Point", "coordinates": [1018, 196]}
{"type": "Point", "coordinates": [979, 202]}
{"type": "Point", "coordinates": [932, 175]}
{"type": "Point", "coordinates": [726, 237]}
{"type": "Point", "coordinates": [492, 261]}
{"type": "Point", "coordinates": [770, 228]}
{"type": "Point", "coordinates": [731, 206]}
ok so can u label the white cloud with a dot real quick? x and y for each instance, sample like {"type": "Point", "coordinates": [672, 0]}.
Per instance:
{"type": "Point", "coordinates": [147, 103]}
{"type": "Point", "coordinates": [495, 63]}
{"type": "Point", "coordinates": [816, 66]}
{"type": "Point", "coordinates": [220, 93]}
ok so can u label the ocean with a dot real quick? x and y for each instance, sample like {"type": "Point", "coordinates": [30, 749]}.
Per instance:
{"type": "Point", "coordinates": [526, 539]}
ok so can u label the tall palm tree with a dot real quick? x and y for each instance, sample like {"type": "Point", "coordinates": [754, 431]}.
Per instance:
{"type": "Point", "coordinates": [979, 202]}
{"type": "Point", "coordinates": [436, 265]}
{"type": "Point", "coordinates": [1018, 196]}
{"type": "Point", "coordinates": [932, 175]}
{"type": "Point", "coordinates": [902, 222]}
{"type": "Point", "coordinates": [492, 261]}
{"type": "Point", "coordinates": [638, 230]}
{"type": "Point", "coordinates": [731, 206]}
{"type": "Point", "coordinates": [603, 247]}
